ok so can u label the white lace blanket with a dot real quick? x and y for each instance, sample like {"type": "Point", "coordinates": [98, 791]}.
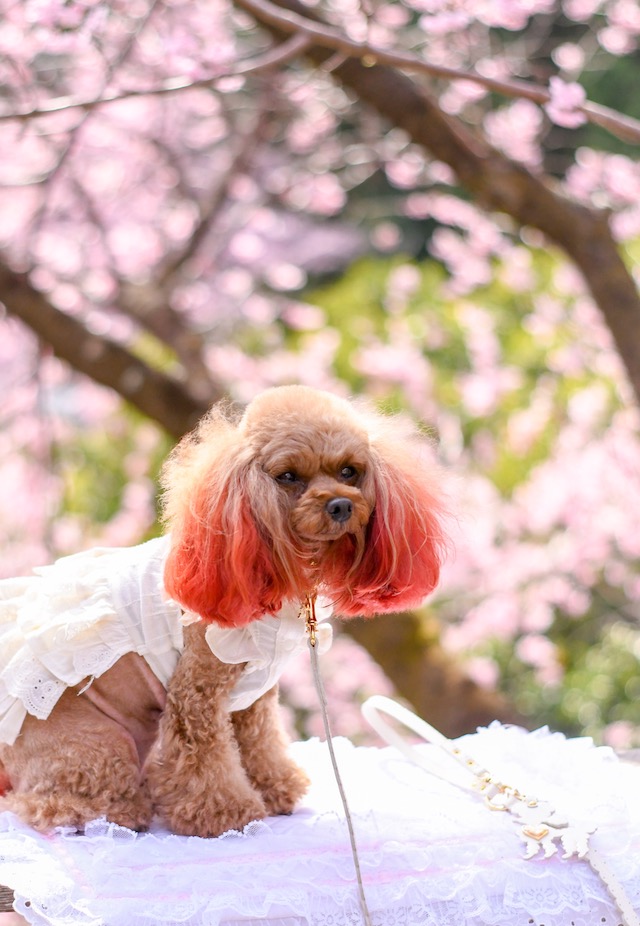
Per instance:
{"type": "Point", "coordinates": [431, 854]}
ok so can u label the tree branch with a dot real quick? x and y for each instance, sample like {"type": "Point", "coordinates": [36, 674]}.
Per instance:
{"type": "Point", "coordinates": [304, 31]}
{"type": "Point", "coordinates": [497, 183]}
{"type": "Point", "coordinates": [292, 18]}
{"type": "Point", "coordinates": [273, 57]}
{"type": "Point", "coordinates": [160, 397]}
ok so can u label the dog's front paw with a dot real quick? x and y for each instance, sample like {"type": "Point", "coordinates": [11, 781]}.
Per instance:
{"type": "Point", "coordinates": [208, 817]}
{"type": "Point", "coordinates": [282, 788]}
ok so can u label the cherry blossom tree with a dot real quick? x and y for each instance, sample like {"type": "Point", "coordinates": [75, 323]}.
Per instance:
{"type": "Point", "coordinates": [178, 178]}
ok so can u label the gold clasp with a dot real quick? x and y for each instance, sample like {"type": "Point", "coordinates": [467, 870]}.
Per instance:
{"type": "Point", "coordinates": [308, 610]}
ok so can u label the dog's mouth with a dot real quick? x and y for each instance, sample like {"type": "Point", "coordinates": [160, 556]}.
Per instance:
{"type": "Point", "coordinates": [327, 519]}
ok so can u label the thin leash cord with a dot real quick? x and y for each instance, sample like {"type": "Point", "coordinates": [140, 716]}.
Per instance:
{"type": "Point", "coordinates": [322, 698]}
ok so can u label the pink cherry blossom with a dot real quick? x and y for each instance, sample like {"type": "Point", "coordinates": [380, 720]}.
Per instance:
{"type": "Point", "coordinates": [515, 129]}
{"type": "Point", "coordinates": [565, 101]}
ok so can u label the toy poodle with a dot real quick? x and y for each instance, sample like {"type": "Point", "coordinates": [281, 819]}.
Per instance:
{"type": "Point", "coordinates": [142, 682]}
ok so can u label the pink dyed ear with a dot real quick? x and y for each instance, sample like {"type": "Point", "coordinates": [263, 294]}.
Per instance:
{"type": "Point", "coordinates": [219, 566]}
{"type": "Point", "coordinates": [405, 544]}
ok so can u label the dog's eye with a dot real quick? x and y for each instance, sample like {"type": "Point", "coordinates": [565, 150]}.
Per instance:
{"type": "Point", "coordinates": [348, 472]}
{"type": "Point", "coordinates": [287, 478]}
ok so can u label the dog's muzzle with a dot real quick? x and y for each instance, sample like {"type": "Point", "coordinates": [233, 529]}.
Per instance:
{"type": "Point", "coordinates": [339, 509]}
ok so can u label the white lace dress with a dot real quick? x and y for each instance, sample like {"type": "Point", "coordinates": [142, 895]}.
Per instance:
{"type": "Point", "coordinates": [74, 619]}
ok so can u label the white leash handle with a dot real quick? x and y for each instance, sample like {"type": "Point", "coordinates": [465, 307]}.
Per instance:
{"type": "Point", "coordinates": [541, 827]}
{"type": "Point", "coordinates": [374, 709]}
{"type": "Point", "coordinates": [376, 705]}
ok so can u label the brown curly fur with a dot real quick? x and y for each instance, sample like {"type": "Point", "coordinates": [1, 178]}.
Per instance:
{"type": "Point", "coordinates": [251, 506]}
{"type": "Point", "coordinates": [232, 768]}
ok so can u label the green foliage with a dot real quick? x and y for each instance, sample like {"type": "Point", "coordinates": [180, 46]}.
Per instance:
{"type": "Point", "coordinates": [600, 684]}
{"type": "Point", "coordinates": [93, 476]}
{"type": "Point", "coordinates": [94, 467]}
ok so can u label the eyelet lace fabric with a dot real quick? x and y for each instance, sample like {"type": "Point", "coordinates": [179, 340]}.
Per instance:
{"type": "Point", "coordinates": [75, 618]}
{"type": "Point", "coordinates": [431, 854]}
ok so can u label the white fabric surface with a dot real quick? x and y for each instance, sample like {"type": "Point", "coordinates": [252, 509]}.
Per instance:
{"type": "Point", "coordinates": [431, 854]}
{"type": "Point", "coordinates": [74, 619]}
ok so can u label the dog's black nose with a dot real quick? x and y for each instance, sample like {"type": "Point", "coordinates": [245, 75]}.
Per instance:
{"type": "Point", "coordinates": [340, 509]}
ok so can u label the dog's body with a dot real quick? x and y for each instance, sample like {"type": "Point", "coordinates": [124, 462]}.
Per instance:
{"type": "Point", "coordinates": [162, 699]}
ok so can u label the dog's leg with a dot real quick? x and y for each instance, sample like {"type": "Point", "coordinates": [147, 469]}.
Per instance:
{"type": "Point", "coordinates": [263, 746]}
{"type": "Point", "coordinates": [74, 767]}
{"type": "Point", "coordinates": [194, 772]}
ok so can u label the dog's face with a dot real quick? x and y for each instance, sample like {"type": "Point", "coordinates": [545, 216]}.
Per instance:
{"type": "Point", "coordinates": [325, 495]}
{"type": "Point", "coordinates": [320, 462]}
{"type": "Point", "coordinates": [306, 491]}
